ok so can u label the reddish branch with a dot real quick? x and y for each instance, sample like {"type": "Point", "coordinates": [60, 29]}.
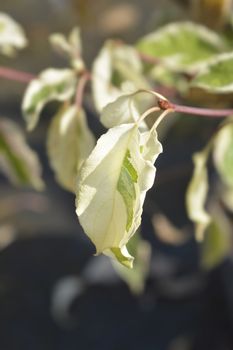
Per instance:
{"type": "Point", "coordinates": [85, 77]}
{"type": "Point", "coordinates": [24, 77]}
{"type": "Point", "coordinates": [12, 74]}
{"type": "Point", "coordinates": [206, 112]}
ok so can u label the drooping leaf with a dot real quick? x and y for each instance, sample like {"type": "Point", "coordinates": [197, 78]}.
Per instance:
{"type": "Point", "coordinates": [223, 154]}
{"type": "Point", "coordinates": [69, 143]}
{"type": "Point", "coordinates": [112, 187]}
{"type": "Point", "coordinates": [136, 277]}
{"type": "Point", "coordinates": [216, 77]}
{"type": "Point", "coordinates": [17, 161]}
{"type": "Point", "coordinates": [70, 47]}
{"type": "Point", "coordinates": [181, 45]}
{"type": "Point", "coordinates": [12, 35]}
{"type": "Point", "coordinates": [52, 84]}
{"type": "Point", "coordinates": [116, 70]}
{"type": "Point", "coordinates": [196, 194]}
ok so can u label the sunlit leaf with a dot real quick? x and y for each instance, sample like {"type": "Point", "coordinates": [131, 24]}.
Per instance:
{"type": "Point", "coordinates": [70, 47]}
{"type": "Point", "coordinates": [197, 193]}
{"type": "Point", "coordinates": [136, 277]}
{"type": "Point", "coordinates": [128, 108]}
{"type": "Point", "coordinates": [116, 70]}
{"type": "Point", "coordinates": [69, 143]}
{"type": "Point", "coordinates": [112, 188]}
{"type": "Point", "coordinates": [216, 77]}
{"type": "Point", "coordinates": [12, 35]}
{"type": "Point", "coordinates": [17, 161]}
{"type": "Point", "coordinates": [181, 45]}
{"type": "Point", "coordinates": [52, 84]}
{"type": "Point", "coordinates": [223, 153]}
{"type": "Point", "coordinates": [122, 110]}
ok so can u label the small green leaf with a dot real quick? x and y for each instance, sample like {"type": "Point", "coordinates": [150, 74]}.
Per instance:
{"type": "Point", "coordinates": [182, 45]}
{"type": "Point", "coordinates": [196, 194]}
{"type": "Point", "coordinates": [12, 35]}
{"type": "Point", "coordinates": [112, 186]}
{"type": "Point", "coordinates": [223, 154]}
{"type": "Point", "coordinates": [17, 161]}
{"type": "Point", "coordinates": [216, 77]}
{"type": "Point", "coordinates": [69, 143]}
{"type": "Point", "coordinates": [52, 84]}
{"type": "Point", "coordinates": [116, 70]}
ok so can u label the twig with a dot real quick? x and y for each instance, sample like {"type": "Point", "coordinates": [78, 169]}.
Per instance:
{"type": "Point", "coordinates": [206, 112]}
{"type": "Point", "coordinates": [86, 76]}
{"type": "Point", "coordinates": [12, 74]}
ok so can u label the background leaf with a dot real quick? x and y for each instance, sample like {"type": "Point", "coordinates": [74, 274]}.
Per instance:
{"type": "Point", "coordinates": [12, 36]}
{"type": "Point", "coordinates": [116, 70]}
{"type": "Point", "coordinates": [52, 84]}
{"type": "Point", "coordinates": [218, 239]}
{"type": "Point", "coordinates": [17, 161]}
{"type": "Point", "coordinates": [218, 76]}
{"type": "Point", "coordinates": [69, 143]}
{"type": "Point", "coordinates": [181, 45]}
{"type": "Point", "coordinates": [70, 47]}
{"type": "Point", "coordinates": [196, 194]}
{"type": "Point", "coordinates": [223, 154]}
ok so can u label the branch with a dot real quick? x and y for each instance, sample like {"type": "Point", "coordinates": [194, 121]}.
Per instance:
{"type": "Point", "coordinates": [16, 75]}
{"type": "Point", "coordinates": [86, 76]}
{"type": "Point", "coordinates": [24, 77]}
{"type": "Point", "coordinates": [206, 112]}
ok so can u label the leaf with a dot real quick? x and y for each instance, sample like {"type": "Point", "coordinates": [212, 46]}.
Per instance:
{"type": "Point", "coordinates": [116, 70]}
{"type": "Point", "coordinates": [136, 278]}
{"type": "Point", "coordinates": [181, 45]}
{"type": "Point", "coordinates": [217, 243]}
{"type": "Point", "coordinates": [112, 187]}
{"type": "Point", "coordinates": [52, 84]}
{"type": "Point", "coordinates": [17, 161]}
{"type": "Point", "coordinates": [128, 108]}
{"type": "Point", "coordinates": [122, 110]}
{"type": "Point", "coordinates": [226, 195]}
{"type": "Point", "coordinates": [217, 76]}
{"type": "Point", "coordinates": [196, 194]}
{"type": "Point", "coordinates": [69, 143]}
{"type": "Point", "coordinates": [223, 154]}
{"type": "Point", "coordinates": [12, 35]}
{"type": "Point", "coordinates": [167, 78]}
{"type": "Point", "coordinates": [70, 47]}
